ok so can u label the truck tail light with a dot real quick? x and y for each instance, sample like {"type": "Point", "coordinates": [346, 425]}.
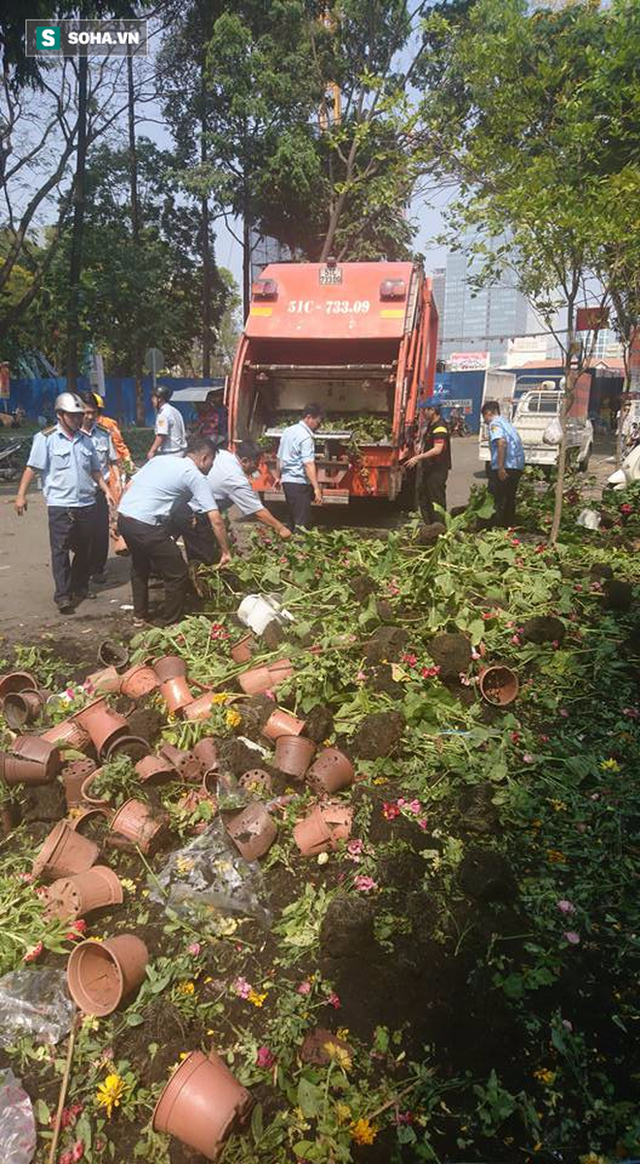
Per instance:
{"type": "Point", "coordinates": [393, 289]}
{"type": "Point", "coordinates": [264, 289]}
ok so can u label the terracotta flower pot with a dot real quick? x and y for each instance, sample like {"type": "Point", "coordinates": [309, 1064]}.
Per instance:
{"type": "Point", "coordinates": [72, 897]}
{"type": "Point", "coordinates": [22, 707]}
{"type": "Point", "coordinates": [187, 763]}
{"type": "Point", "coordinates": [176, 694]}
{"type": "Point", "coordinates": [16, 681]}
{"type": "Point", "coordinates": [241, 651]}
{"type": "Point", "coordinates": [499, 685]}
{"type": "Point", "coordinates": [105, 682]}
{"type": "Point", "coordinates": [323, 828]}
{"type": "Point", "coordinates": [135, 821]}
{"type": "Point", "coordinates": [256, 780]}
{"type": "Point", "coordinates": [103, 725]}
{"type": "Point", "coordinates": [89, 799]}
{"type": "Point", "coordinates": [156, 770]}
{"type": "Point", "coordinates": [139, 681]}
{"type": "Point", "coordinates": [331, 770]}
{"type": "Point", "coordinates": [200, 708]}
{"type": "Point", "coordinates": [189, 803]}
{"type": "Point", "coordinates": [282, 723]}
{"type": "Point", "coordinates": [256, 680]}
{"type": "Point", "coordinates": [280, 670]}
{"type": "Point", "coordinates": [200, 1104]}
{"type": "Point", "coordinates": [64, 853]}
{"type": "Point", "coordinates": [206, 752]}
{"type": "Point", "coordinates": [170, 667]}
{"type": "Point", "coordinates": [81, 820]}
{"type": "Point", "coordinates": [68, 734]}
{"type": "Point", "coordinates": [294, 754]}
{"type": "Point", "coordinates": [252, 831]}
{"type": "Point", "coordinates": [73, 777]}
{"type": "Point", "coordinates": [135, 747]}
{"type": "Point", "coordinates": [32, 760]}
{"type": "Point", "coordinates": [112, 654]}
{"type": "Point", "coordinates": [101, 974]}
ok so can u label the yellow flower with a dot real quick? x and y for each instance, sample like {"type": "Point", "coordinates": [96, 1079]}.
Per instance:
{"type": "Point", "coordinates": [555, 856]}
{"type": "Point", "coordinates": [610, 766]}
{"type": "Point", "coordinates": [363, 1132]}
{"type": "Point", "coordinates": [557, 805]}
{"type": "Point", "coordinates": [220, 697]}
{"type": "Point", "coordinates": [256, 999]}
{"type": "Point", "coordinates": [109, 1093]}
{"type": "Point", "coordinates": [186, 988]}
{"type": "Point", "coordinates": [338, 1055]}
{"type": "Point", "coordinates": [343, 1112]}
{"type": "Point", "coordinates": [379, 780]}
{"type": "Point", "coordinates": [128, 884]}
{"type": "Point", "coordinates": [232, 718]}
{"type": "Point", "coordinates": [343, 1033]}
{"type": "Point", "coordinates": [545, 1075]}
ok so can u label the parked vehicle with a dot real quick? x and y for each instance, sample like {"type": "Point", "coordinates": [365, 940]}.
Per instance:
{"type": "Point", "coordinates": [532, 412]}
{"type": "Point", "coordinates": [360, 340]}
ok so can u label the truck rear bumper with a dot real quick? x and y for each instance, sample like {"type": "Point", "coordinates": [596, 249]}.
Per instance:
{"type": "Point", "coordinates": [329, 496]}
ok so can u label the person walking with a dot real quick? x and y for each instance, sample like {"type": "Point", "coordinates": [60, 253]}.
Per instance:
{"type": "Point", "coordinates": [108, 457]}
{"type": "Point", "coordinates": [507, 463]}
{"type": "Point", "coordinates": [125, 460]}
{"type": "Point", "coordinates": [434, 463]}
{"type": "Point", "coordinates": [144, 521]}
{"type": "Point", "coordinates": [296, 467]}
{"type": "Point", "coordinates": [69, 465]}
{"type": "Point", "coordinates": [170, 433]}
{"type": "Point", "coordinates": [230, 482]}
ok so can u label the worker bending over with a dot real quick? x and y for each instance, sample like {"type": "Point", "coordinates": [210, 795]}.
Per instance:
{"type": "Point", "coordinates": [144, 522]}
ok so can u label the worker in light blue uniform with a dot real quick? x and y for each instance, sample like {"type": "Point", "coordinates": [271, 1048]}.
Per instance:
{"type": "Point", "coordinates": [507, 463]}
{"type": "Point", "coordinates": [68, 463]}
{"type": "Point", "coordinates": [170, 433]}
{"type": "Point", "coordinates": [230, 482]}
{"type": "Point", "coordinates": [144, 521]}
{"type": "Point", "coordinates": [297, 472]}
{"type": "Point", "coordinates": [107, 456]}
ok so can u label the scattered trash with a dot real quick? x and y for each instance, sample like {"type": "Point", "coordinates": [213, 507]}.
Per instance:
{"type": "Point", "coordinates": [258, 610]}
{"type": "Point", "coordinates": [34, 1003]}
{"type": "Point", "coordinates": [17, 1121]}
{"type": "Point", "coordinates": [589, 519]}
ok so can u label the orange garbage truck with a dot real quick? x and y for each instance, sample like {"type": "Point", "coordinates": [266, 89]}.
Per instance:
{"type": "Point", "coordinates": [359, 339]}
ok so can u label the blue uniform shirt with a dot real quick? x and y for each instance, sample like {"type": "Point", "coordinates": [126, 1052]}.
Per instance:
{"type": "Point", "coordinates": [169, 424]}
{"type": "Point", "coordinates": [103, 443]}
{"type": "Point", "coordinates": [65, 464]}
{"type": "Point", "coordinates": [163, 481]}
{"type": "Point", "coordinates": [501, 429]}
{"type": "Point", "coordinates": [231, 486]}
{"type": "Point", "coordinates": [297, 448]}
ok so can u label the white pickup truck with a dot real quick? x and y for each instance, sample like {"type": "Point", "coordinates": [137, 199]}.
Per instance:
{"type": "Point", "coordinates": [530, 413]}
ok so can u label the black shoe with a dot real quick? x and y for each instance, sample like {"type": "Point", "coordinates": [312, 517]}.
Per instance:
{"type": "Point", "coordinates": [67, 607]}
{"type": "Point", "coordinates": [100, 578]}
{"type": "Point", "coordinates": [86, 595]}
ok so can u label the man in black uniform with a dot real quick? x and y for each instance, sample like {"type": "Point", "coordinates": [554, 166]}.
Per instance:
{"type": "Point", "coordinates": [434, 462]}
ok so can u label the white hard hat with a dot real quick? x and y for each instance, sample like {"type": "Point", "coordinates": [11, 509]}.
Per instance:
{"type": "Point", "coordinates": [68, 402]}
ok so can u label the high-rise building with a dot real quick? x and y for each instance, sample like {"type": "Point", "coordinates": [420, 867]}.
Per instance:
{"type": "Point", "coordinates": [438, 287]}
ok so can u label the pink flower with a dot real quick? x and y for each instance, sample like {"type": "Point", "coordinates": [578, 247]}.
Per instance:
{"type": "Point", "coordinates": [66, 1157]}
{"type": "Point", "coordinates": [77, 1152]}
{"type": "Point", "coordinates": [304, 987]}
{"type": "Point", "coordinates": [194, 949]}
{"type": "Point", "coordinates": [354, 850]}
{"type": "Point", "coordinates": [265, 1058]}
{"type": "Point", "coordinates": [410, 659]}
{"type": "Point", "coordinates": [33, 953]}
{"type": "Point", "coordinates": [527, 758]}
{"type": "Point", "coordinates": [515, 640]}
{"type": "Point", "coordinates": [242, 987]}
{"type": "Point", "coordinates": [270, 694]}
{"type": "Point", "coordinates": [334, 1000]}
{"type": "Point", "coordinates": [515, 737]}
{"type": "Point", "coordinates": [543, 739]}
{"type": "Point", "coordinates": [365, 884]}
{"type": "Point", "coordinates": [422, 823]}
{"type": "Point", "coordinates": [564, 713]}
{"type": "Point", "coordinates": [430, 672]}
{"type": "Point", "coordinates": [390, 811]}
{"type": "Point", "coordinates": [361, 676]}
{"type": "Point", "coordinates": [27, 878]}
{"type": "Point", "coordinates": [572, 937]}
{"type": "Point", "coordinates": [414, 806]}
{"type": "Point", "coordinates": [630, 712]}
{"type": "Point", "coordinates": [515, 541]}
{"type": "Point", "coordinates": [565, 906]}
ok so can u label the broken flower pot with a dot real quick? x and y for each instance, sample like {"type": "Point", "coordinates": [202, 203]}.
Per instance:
{"type": "Point", "coordinates": [187, 763]}
{"type": "Point", "coordinates": [105, 682]}
{"type": "Point", "coordinates": [282, 723]}
{"type": "Point", "coordinates": [22, 707]}
{"type": "Point", "coordinates": [323, 828]}
{"type": "Point", "coordinates": [156, 770]}
{"type": "Point", "coordinates": [499, 685]}
{"type": "Point", "coordinates": [89, 799]}
{"type": "Point", "coordinates": [32, 760]}
{"type": "Point", "coordinates": [252, 831]}
{"type": "Point", "coordinates": [71, 897]}
{"type": "Point", "coordinates": [294, 754]}
{"type": "Point", "coordinates": [101, 974]}
{"type": "Point", "coordinates": [206, 751]}
{"type": "Point", "coordinates": [135, 821]}
{"type": "Point", "coordinates": [176, 694]}
{"type": "Point", "coordinates": [103, 725]}
{"type": "Point", "coordinates": [139, 681]}
{"type": "Point", "coordinates": [64, 853]}
{"type": "Point", "coordinates": [170, 667]}
{"type": "Point", "coordinates": [200, 708]}
{"type": "Point", "coordinates": [74, 775]}
{"type": "Point", "coordinates": [68, 734]}
{"type": "Point", "coordinates": [201, 1103]}
{"type": "Point", "coordinates": [16, 681]}
{"type": "Point", "coordinates": [331, 770]}
{"type": "Point", "coordinates": [256, 780]}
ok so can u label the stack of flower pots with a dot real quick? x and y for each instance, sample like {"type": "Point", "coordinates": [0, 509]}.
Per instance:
{"type": "Point", "coordinates": [171, 670]}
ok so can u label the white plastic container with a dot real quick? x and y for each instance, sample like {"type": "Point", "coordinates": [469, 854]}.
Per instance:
{"type": "Point", "coordinates": [256, 611]}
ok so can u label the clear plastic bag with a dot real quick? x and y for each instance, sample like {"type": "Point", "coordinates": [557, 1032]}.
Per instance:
{"type": "Point", "coordinates": [589, 519]}
{"type": "Point", "coordinates": [553, 432]}
{"type": "Point", "coordinates": [208, 877]}
{"type": "Point", "coordinates": [35, 1003]}
{"type": "Point", "coordinates": [17, 1122]}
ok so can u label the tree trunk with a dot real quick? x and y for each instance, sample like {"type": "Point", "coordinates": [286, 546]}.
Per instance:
{"type": "Point", "coordinates": [205, 227]}
{"type": "Point", "coordinates": [246, 265]}
{"type": "Point", "coordinates": [135, 231]}
{"type": "Point", "coordinates": [75, 266]}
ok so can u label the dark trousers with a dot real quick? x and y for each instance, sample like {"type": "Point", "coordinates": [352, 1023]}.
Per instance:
{"type": "Point", "coordinates": [153, 549]}
{"type": "Point", "coordinates": [200, 542]}
{"type": "Point", "coordinates": [298, 499]}
{"type": "Point", "coordinates": [70, 532]}
{"type": "Point", "coordinates": [504, 496]}
{"type": "Point", "coordinates": [432, 490]}
{"type": "Point", "coordinates": [100, 536]}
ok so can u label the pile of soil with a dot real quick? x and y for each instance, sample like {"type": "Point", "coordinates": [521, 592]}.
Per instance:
{"type": "Point", "coordinates": [451, 653]}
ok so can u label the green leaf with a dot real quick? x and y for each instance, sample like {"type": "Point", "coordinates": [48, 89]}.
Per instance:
{"type": "Point", "coordinates": [310, 1097]}
{"type": "Point", "coordinates": [43, 1113]}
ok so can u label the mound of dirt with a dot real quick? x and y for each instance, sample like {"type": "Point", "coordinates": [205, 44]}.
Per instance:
{"type": "Point", "coordinates": [347, 928]}
{"type": "Point", "coordinates": [451, 653]}
{"type": "Point", "coordinates": [618, 595]}
{"type": "Point", "coordinates": [486, 876]}
{"type": "Point", "coordinates": [378, 735]}
{"type": "Point", "coordinates": [386, 645]}
{"type": "Point", "coordinates": [318, 723]}
{"type": "Point", "coordinates": [543, 629]}
{"type": "Point", "coordinates": [429, 534]}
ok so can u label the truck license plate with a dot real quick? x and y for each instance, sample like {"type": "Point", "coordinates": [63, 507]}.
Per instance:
{"type": "Point", "coordinates": [330, 276]}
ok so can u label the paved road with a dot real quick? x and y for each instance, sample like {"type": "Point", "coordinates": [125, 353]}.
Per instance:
{"type": "Point", "coordinates": [26, 603]}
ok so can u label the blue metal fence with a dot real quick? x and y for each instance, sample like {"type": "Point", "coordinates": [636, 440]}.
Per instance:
{"type": "Point", "coordinates": [37, 397]}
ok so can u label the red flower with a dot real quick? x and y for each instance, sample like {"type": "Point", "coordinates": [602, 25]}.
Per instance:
{"type": "Point", "coordinates": [33, 953]}
{"type": "Point", "coordinates": [390, 811]}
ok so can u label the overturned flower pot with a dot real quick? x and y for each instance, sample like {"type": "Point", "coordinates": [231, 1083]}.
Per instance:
{"type": "Point", "coordinates": [73, 897]}
{"type": "Point", "coordinates": [256, 680]}
{"type": "Point", "coordinates": [101, 974]}
{"type": "Point", "coordinates": [68, 734]}
{"type": "Point", "coordinates": [257, 781]}
{"type": "Point", "coordinates": [187, 763]}
{"type": "Point", "coordinates": [32, 760]}
{"type": "Point", "coordinates": [201, 1103]}
{"type": "Point", "coordinates": [139, 681]}
{"type": "Point", "coordinates": [206, 752]}
{"type": "Point", "coordinates": [324, 827]}
{"type": "Point", "coordinates": [170, 667]}
{"type": "Point", "coordinates": [499, 685]}
{"type": "Point", "coordinates": [282, 723]}
{"type": "Point", "coordinates": [156, 770]}
{"type": "Point", "coordinates": [243, 649]}
{"type": "Point", "coordinates": [252, 831]}
{"type": "Point", "coordinates": [135, 821]}
{"type": "Point", "coordinates": [64, 853]}
{"type": "Point", "coordinates": [102, 724]}
{"type": "Point", "coordinates": [84, 819]}
{"type": "Point", "coordinates": [200, 708]}
{"type": "Point", "coordinates": [294, 754]}
{"type": "Point", "coordinates": [73, 776]}
{"type": "Point", "coordinates": [176, 694]}
{"type": "Point", "coordinates": [89, 798]}
{"type": "Point", "coordinates": [112, 654]}
{"type": "Point", "coordinates": [105, 682]}
{"type": "Point", "coordinates": [331, 770]}
{"type": "Point", "coordinates": [22, 707]}
{"type": "Point", "coordinates": [135, 747]}
{"type": "Point", "coordinates": [16, 681]}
